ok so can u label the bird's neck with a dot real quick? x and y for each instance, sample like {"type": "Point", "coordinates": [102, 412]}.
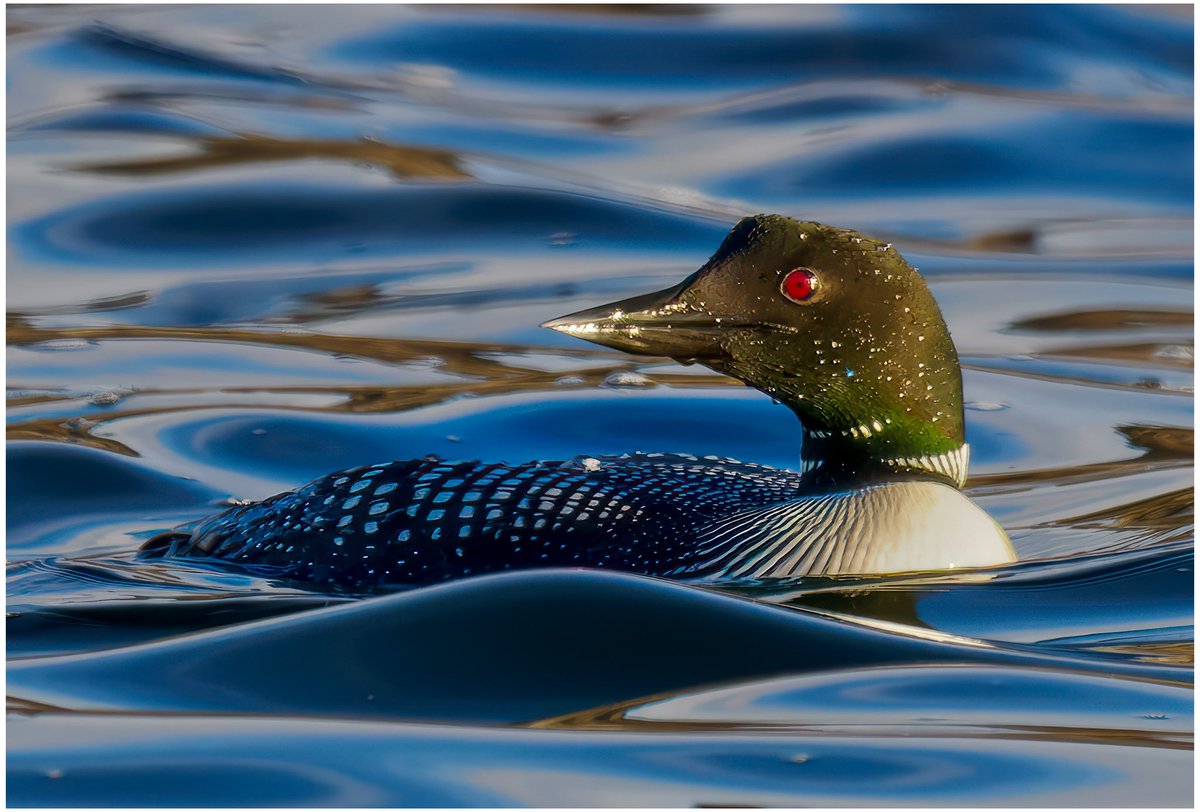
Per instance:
{"type": "Point", "coordinates": [847, 458]}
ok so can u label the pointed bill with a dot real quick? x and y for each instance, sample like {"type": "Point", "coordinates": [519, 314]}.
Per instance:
{"type": "Point", "coordinates": [651, 324]}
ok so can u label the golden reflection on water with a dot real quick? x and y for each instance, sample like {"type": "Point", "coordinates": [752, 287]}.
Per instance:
{"type": "Point", "coordinates": [1106, 320]}
{"type": "Point", "coordinates": [1148, 354]}
{"type": "Point", "coordinates": [624, 717]}
{"type": "Point", "coordinates": [1182, 653]}
{"type": "Point", "coordinates": [1159, 519]}
{"type": "Point", "coordinates": [406, 162]}
{"type": "Point", "coordinates": [614, 720]}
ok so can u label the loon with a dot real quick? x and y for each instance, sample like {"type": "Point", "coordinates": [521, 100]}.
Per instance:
{"type": "Point", "coordinates": [837, 326]}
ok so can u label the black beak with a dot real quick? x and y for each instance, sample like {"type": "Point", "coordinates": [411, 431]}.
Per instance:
{"type": "Point", "coordinates": [652, 324]}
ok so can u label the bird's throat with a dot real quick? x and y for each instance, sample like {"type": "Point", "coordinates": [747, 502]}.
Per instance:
{"type": "Point", "coordinates": [841, 458]}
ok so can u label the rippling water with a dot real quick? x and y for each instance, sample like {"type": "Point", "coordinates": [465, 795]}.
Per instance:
{"type": "Point", "coordinates": [251, 245]}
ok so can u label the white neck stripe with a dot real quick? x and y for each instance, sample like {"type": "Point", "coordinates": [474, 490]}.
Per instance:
{"type": "Point", "coordinates": [952, 464]}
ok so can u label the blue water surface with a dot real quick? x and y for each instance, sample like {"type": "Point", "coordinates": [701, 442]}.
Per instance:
{"type": "Point", "coordinates": [249, 245]}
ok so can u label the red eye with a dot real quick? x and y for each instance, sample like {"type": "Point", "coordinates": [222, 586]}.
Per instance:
{"type": "Point", "coordinates": [799, 285]}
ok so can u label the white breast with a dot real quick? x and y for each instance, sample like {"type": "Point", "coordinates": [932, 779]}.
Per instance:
{"type": "Point", "coordinates": [890, 527]}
